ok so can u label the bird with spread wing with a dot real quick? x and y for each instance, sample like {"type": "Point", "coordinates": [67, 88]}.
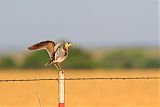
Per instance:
{"type": "Point", "coordinates": [57, 52]}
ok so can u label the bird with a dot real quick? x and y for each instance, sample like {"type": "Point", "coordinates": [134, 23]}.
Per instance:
{"type": "Point", "coordinates": [57, 52]}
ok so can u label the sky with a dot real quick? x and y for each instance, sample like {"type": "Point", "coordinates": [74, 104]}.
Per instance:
{"type": "Point", "coordinates": [88, 23]}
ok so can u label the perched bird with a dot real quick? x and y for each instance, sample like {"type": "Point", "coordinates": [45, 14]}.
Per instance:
{"type": "Point", "coordinates": [57, 52]}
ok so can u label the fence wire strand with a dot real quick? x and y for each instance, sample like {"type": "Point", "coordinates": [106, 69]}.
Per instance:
{"type": "Point", "coordinates": [56, 79]}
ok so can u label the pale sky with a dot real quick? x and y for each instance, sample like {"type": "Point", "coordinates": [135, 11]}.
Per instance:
{"type": "Point", "coordinates": [89, 23]}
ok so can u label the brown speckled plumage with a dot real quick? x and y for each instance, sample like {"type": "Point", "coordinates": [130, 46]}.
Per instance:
{"type": "Point", "coordinates": [48, 45]}
{"type": "Point", "coordinates": [57, 52]}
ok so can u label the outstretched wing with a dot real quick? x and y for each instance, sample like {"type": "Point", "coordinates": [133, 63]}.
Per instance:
{"type": "Point", "coordinates": [48, 45]}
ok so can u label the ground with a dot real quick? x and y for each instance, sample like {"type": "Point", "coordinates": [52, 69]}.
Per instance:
{"type": "Point", "coordinates": [80, 93]}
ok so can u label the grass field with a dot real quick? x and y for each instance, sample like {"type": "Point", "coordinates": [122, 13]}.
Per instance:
{"type": "Point", "coordinates": [95, 93]}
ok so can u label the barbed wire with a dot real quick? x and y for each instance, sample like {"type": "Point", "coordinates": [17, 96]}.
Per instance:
{"type": "Point", "coordinates": [56, 79]}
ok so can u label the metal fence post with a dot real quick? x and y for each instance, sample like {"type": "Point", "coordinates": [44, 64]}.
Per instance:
{"type": "Point", "coordinates": [61, 89]}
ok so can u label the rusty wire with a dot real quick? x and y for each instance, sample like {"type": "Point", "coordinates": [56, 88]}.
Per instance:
{"type": "Point", "coordinates": [56, 79]}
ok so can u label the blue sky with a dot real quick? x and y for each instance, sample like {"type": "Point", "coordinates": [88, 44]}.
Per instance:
{"type": "Point", "coordinates": [89, 23]}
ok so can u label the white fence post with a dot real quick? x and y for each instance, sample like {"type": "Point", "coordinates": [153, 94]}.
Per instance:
{"type": "Point", "coordinates": [61, 89]}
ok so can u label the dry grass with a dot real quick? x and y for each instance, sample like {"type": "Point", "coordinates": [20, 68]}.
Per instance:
{"type": "Point", "coordinates": [97, 93]}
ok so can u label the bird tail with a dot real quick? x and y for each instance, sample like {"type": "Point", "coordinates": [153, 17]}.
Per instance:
{"type": "Point", "coordinates": [50, 62]}
{"type": "Point", "coordinates": [46, 64]}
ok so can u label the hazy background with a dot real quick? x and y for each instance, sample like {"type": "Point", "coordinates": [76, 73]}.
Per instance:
{"type": "Point", "coordinates": [89, 23]}
{"type": "Point", "coordinates": [116, 26]}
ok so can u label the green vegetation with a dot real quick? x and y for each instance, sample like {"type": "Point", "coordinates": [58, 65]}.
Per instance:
{"type": "Point", "coordinates": [130, 59]}
{"type": "Point", "coordinates": [37, 59]}
{"type": "Point", "coordinates": [7, 62]}
{"type": "Point", "coordinates": [78, 58]}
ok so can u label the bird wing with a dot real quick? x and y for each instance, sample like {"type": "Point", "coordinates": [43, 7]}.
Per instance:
{"type": "Point", "coordinates": [48, 45]}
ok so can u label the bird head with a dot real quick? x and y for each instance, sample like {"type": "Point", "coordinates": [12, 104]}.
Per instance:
{"type": "Point", "coordinates": [68, 44]}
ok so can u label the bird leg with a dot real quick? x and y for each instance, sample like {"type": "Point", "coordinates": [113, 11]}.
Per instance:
{"type": "Point", "coordinates": [60, 67]}
{"type": "Point", "coordinates": [57, 67]}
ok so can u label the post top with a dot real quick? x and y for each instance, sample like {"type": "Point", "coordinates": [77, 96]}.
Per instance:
{"type": "Point", "coordinates": [61, 72]}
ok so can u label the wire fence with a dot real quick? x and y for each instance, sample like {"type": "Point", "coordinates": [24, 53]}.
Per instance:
{"type": "Point", "coordinates": [100, 95]}
{"type": "Point", "coordinates": [56, 79]}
